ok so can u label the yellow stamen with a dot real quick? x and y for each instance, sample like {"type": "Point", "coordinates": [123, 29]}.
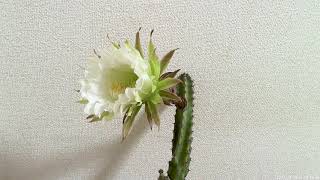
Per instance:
{"type": "Point", "coordinates": [117, 88]}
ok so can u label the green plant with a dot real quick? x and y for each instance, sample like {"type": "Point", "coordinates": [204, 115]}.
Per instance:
{"type": "Point", "coordinates": [182, 133]}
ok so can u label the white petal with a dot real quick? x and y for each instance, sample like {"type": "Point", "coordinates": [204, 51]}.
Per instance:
{"type": "Point", "coordinates": [89, 108]}
{"type": "Point", "coordinates": [99, 108]}
{"type": "Point", "coordinates": [98, 86]}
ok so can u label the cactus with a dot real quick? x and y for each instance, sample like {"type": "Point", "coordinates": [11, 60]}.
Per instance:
{"type": "Point", "coordinates": [181, 143]}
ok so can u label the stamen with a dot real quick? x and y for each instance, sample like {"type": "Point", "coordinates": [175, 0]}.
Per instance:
{"type": "Point", "coordinates": [117, 88]}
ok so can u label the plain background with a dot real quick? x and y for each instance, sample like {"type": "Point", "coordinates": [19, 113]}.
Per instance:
{"type": "Point", "coordinates": [255, 64]}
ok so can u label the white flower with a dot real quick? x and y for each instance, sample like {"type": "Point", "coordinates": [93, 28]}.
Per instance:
{"type": "Point", "coordinates": [115, 80]}
{"type": "Point", "coordinates": [119, 81]}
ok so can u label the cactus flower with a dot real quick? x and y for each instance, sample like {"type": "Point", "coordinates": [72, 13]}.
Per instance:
{"type": "Point", "coordinates": [119, 80]}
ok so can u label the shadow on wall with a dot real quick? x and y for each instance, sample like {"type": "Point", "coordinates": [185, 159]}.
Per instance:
{"type": "Point", "coordinates": [105, 158]}
{"type": "Point", "coordinates": [120, 150]}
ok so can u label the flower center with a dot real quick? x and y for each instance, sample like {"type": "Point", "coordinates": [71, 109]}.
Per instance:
{"type": "Point", "coordinates": [121, 77]}
{"type": "Point", "coordinates": [117, 88]}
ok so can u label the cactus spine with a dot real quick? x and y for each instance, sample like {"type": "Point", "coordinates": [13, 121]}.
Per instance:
{"type": "Point", "coordinates": [182, 133]}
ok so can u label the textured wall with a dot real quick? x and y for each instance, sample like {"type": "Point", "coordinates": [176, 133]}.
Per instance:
{"type": "Point", "coordinates": [256, 66]}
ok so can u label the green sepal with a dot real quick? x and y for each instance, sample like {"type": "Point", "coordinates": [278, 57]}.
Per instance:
{"type": "Point", "coordinates": [95, 119]}
{"type": "Point", "coordinates": [153, 59]}
{"type": "Point", "coordinates": [168, 83]}
{"type": "Point", "coordinates": [169, 74]}
{"type": "Point", "coordinates": [83, 101]}
{"type": "Point", "coordinates": [128, 122]}
{"type": "Point", "coordinates": [166, 60]}
{"type": "Point", "coordinates": [169, 96]}
{"type": "Point", "coordinates": [128, 44]}
{"type": "Point", "coordinates": [148, 113]}
{"type": "Point", "coordinates": [95, 52]}
{"type": "Point", "coordinates": [106, 115]}
{"type": "Point", "coordinates": [154, 113]}
{"type": "Point", "coordinates": [138, 43]}
{"type": "Point", "coordinates": [156, 98]}
{"type": "Point", "coordinates": [115, 44]}
{"type": "Point", "coordinates": [90, 116]}
{"type": "Point", "coordinates": [151, 47]}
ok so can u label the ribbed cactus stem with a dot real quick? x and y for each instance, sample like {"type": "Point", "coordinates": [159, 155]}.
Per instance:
{"type": "Point", "coordinates": [182, 133]}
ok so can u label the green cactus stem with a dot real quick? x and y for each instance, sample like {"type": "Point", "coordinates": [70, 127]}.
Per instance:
{"type": "Point", "coordinates": [182, 133]}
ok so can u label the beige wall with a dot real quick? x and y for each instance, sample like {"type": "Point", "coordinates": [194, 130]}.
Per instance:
{"type": "Point", "coordinates": [256, 67]}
